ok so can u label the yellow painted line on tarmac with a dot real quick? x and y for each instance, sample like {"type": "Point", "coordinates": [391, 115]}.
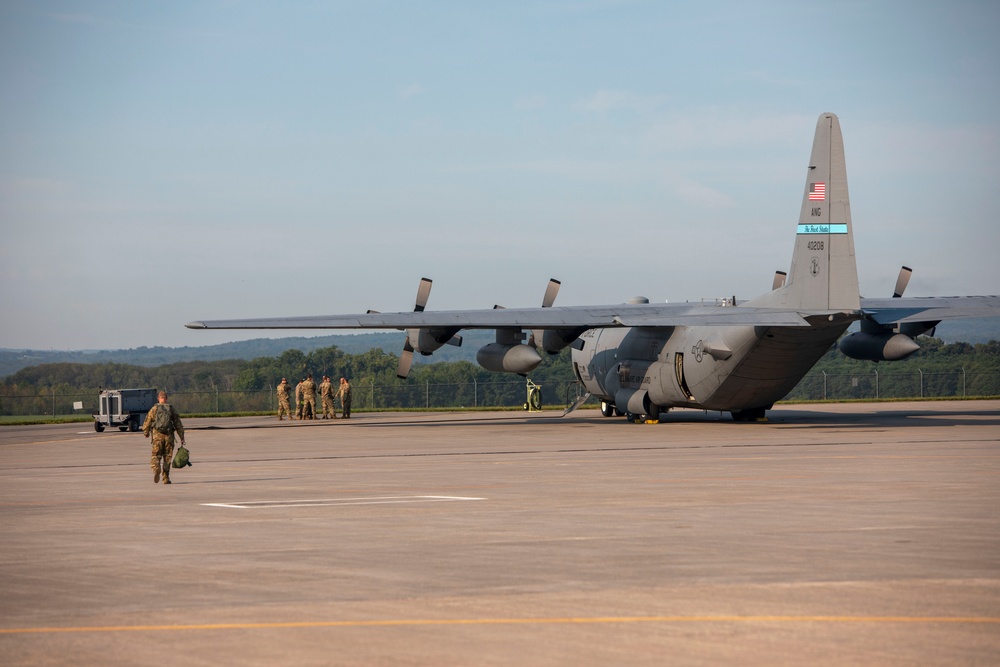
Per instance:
{"type": "Point", "coordinates": [515, 621]}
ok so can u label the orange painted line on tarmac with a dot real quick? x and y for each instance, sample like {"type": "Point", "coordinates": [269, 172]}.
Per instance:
{"type": "Point", "coordinates": [515, 621]}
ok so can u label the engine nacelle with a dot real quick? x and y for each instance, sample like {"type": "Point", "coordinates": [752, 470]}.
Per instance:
{"type": "Point", "coordinates": [554, 340]}
{"type": "Point", "coordinates": [877, 346]}
{"type": "Point", "coordinates": [504, 358]}
{"type": "Point", "coordinates": [426, 341]}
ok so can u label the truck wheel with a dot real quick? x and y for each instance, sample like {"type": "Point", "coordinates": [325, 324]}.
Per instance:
{"type": "Point", "coordinates": [133, 424]}
{"type": "Point", "coordinates": [99, 427]}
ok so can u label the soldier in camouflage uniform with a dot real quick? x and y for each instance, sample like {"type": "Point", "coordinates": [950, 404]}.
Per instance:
{"type": "Point", "coordinates": [163, 436]}
{"type": "Point", "coordinates": [283, 408]}
{"type": "Point", "coordinates": [309, 398]}
{"type": "Point", "coordinates": [298, 399]}
{"type": "Point", "coordinates": [326, 393]}
{"type": "Point", "coordinates": [344, 394]}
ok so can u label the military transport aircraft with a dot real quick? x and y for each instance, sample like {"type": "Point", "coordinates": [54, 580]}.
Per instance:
{"type": "Point", "coordinates": [641, 359]}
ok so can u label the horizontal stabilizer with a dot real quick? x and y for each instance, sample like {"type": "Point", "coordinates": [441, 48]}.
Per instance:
{"type": "Point", "coordinates": [930, 308]}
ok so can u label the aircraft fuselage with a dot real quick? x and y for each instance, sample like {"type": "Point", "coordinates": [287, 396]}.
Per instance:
{"type": "Point", "coordinates": [743, 370]}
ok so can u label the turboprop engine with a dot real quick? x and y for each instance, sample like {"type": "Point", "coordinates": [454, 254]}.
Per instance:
{"type": "Point", "coordinates": [553, 340]}
{"type": "Point", "coordinates": [877, 342]}
{"type": "Point", "coordinates": [508, 358]}
{"type": "Point", "coordinates": [424, 341]}
{"type": "Point", "coordinates": [509, 354]}
{"type": "Point", "coordinates": [882, 346]}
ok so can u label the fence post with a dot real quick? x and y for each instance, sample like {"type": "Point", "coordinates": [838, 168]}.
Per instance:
{"type": "Point", "coordinates": [373, 395]}
{"type": "Point", "coordinates": [53, 401]}
{"type": "Point", "coordinates": [824, 384]}
{"type": "Point", "coordinates": [427, 394]}
{"type": "Point", "coordinates": [921, 382]}
{"type": "Point", "coordinates": [216, 400]}
{"type": "Point", "coordinates": [475, 393]}
{"type": "Point", "coordinates": [876, 384]}
{"type": "Point", "coordinates": [963, 381]}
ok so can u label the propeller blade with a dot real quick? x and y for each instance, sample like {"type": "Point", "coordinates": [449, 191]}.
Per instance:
{"type": "Point", "coordinates": [550, 293]}
{"type": "Point", "coordinates": [902, 281]}
{"type": "Point", "coordinates": [405, 361]}
{"type": "Point", "coordinates": [423, 291]}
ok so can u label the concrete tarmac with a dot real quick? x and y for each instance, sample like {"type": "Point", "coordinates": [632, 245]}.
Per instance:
{"type": "Point", "coordinates": [861, 534]}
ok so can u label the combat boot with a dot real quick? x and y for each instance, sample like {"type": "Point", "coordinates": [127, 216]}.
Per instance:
{"type": "Point", "coordinates": [166, 478]}
{"type": "Point", "coordinates": [156, 475]}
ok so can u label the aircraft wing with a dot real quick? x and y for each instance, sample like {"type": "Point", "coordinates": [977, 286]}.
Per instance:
{"type": "Point", "coordinates": [930, 308]}
{"type": "Point", "coordinates": [564, 317]}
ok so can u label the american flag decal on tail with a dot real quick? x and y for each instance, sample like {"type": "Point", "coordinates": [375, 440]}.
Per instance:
{"type": "Point", "coordinates": [817, 191]}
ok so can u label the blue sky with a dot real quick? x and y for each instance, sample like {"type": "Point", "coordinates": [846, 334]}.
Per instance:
{"type": "Point", "coordinates": [168, 162]}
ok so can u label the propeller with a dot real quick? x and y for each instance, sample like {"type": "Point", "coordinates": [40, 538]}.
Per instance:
{"type": "Point", "coordinates": [406, 357]}
{"type": "Point", "coordinates": [911, 329]}
{"type": "Point", "coordinates": [424, 341]}
{"type": "Point", "coordinates": [549, 298]}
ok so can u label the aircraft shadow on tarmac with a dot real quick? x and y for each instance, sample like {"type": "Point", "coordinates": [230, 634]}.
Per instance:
{"type": "Point", "coordinates": [777, 417]}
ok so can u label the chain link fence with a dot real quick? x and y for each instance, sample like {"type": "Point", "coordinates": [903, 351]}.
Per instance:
{"type": "Point", "coordinates": [815, 386]}
{"type": "Point", "coordinates": [819, 385]}
{"type": "Point", "coordinates": [475, 395]}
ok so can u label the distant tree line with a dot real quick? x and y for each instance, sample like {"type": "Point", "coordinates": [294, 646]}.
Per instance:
{"type": "Point", "coordinates": [937, 369]}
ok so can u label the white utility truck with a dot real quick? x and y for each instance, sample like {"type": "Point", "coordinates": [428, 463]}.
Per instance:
{"type": "Point", "coordinates": [124, 408]}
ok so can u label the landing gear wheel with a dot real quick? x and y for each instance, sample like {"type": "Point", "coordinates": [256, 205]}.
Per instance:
{"type": "Point", "coordinates": [632, 418]}
{"type": "Point", "coordinates": [607, 409]}
{"type": "Point", "coordinates": [749, 415]}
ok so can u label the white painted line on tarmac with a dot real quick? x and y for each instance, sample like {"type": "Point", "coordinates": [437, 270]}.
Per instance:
{"type": "Point", "coordinates": [329, 502]}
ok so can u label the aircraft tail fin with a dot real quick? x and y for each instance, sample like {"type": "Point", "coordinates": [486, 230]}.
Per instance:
{"type": "Point", "coordinates": [824, 274]}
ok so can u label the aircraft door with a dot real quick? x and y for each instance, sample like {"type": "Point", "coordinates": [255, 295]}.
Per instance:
{"type": "Point", "coordinates": [585, 365]}
{"type": "Point", "coordinates": [679, 373]}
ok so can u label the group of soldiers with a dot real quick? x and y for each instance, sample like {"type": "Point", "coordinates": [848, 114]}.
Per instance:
{"type": "Point", "coordinates": [305, 399]}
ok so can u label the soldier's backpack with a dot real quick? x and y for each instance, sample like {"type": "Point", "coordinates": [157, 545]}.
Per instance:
{"type": "Point", "coordinates": [162, 422]}
{"type": "Point", "coordinates": [181, 457]}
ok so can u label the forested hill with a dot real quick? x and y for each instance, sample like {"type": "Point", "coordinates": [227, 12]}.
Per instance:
{"type": "Point", "coordinates": [12, 361]}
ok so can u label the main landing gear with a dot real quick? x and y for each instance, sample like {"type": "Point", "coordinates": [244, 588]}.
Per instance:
{"type": "Point", "coordinates": [750, 415]}
{"type": "Point", "coordinates": [609, 410]}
